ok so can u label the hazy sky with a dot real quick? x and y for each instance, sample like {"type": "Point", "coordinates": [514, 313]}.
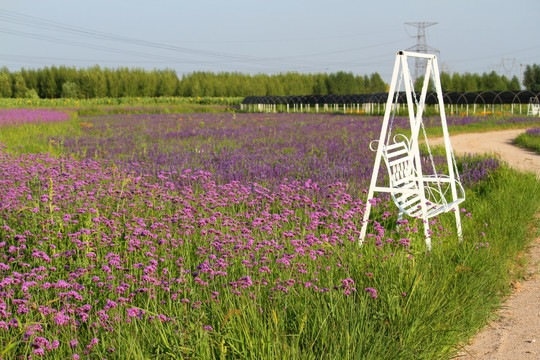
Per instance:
{"type": "Point", "coordinates": [270, 36]}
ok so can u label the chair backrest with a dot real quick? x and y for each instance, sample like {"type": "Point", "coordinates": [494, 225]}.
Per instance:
{"type": "Point", "coordinates": [400, 163]}
{"type": "Point", "coordinates": [402, 175]}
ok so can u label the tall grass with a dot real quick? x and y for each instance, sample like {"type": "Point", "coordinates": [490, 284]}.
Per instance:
{"type": "Point", "coordinates": [530, 139]}
{"type": "Point", "coordinates": [100, 262]}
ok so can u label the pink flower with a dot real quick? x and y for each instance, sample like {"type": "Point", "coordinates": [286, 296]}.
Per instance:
{"type": "Point", "coordinates": [133, 312]}
{"type": "Point", "coordinates": [372, 292]}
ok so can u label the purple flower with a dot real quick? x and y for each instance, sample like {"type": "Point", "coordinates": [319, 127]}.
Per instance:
{"type": "Point", "coordinates": [372, 292]}
{"type": "Point", "coordinates": [533, 131]}
{"type": "Point", "coordinates": [134, 312]}
{"type": "Point", "coordinates": [39, 351]}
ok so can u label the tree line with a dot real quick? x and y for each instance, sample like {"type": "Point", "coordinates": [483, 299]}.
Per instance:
{"type": "Point", "coordinates": [97, 82]}
{"type": "Point", "coordinates": [468, 82]}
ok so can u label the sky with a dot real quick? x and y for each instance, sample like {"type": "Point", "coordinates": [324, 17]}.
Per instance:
{"type": "Point", "coordinates": [277, 36]}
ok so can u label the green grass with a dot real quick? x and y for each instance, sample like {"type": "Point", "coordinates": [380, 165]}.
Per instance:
{"type": "Point", "coordinates": [36, 137]}
{"type": "Point", "coordinates": [182, 108]}
{"type": "Point", "coordinates": [529, 141]}
{"type": "Point", "coordinates": [490, 123]}
{"type": "Point", "coordinates": [123, 102]}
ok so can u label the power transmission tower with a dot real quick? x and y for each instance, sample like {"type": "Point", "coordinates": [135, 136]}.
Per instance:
{"type": "Point", "coordinates": [508, 66]}
{"type": "Point", "coordinates": [421, 46]}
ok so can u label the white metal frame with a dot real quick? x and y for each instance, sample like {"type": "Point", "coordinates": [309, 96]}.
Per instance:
{"type": "Point", "coordinates": [410, 165]}
{"type": "Point", "coordinates": [533, 109]}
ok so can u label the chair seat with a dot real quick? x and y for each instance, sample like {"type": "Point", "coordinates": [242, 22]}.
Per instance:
{"type": "Point", "coordinates": [404, 180]}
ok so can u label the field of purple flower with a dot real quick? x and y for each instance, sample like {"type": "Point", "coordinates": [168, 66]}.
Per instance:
{"type": "Point", "coordinates": [262, 148]}
{"type": "Point", "coordinates": [235, 236]}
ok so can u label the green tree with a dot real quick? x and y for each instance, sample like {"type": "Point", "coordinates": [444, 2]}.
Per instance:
{"type": "Point", "coordinates": [493, 82]}
{"type": "Point", "coordinates": [446, 81]}
{"type": "Point", "coordinates": [457, 83]}
{"type": "Point", "coordinates": [61, 75]}
{"type": "Point", "coordinates": [514, 84]}
{"type": "Point", "coordinates": [46, 84]}
{"type": "Point", "coordinates": [418, 83]}
{"type": "Point", "coordinates": [319, 87]}
{"type": "Point", "coordinates": [5, 84]}
{"type": "Point", "coordinates": [70, 90]}
{"type": "Point", "coordinates": [19, 86]}
{"type": "Point", "coordinates": [531, 77]}
{"type": "Point", "coordinates": [127, 83]}
{"type": "Point", "coordinates": [92, 83]}
{"type": "Point", "coordinates": [112, 82]}
{"type": "Point", "coordinates": [167, 84]}
{"type": "Point", "coordinates": [470, 82]}
{"type": "Point", "coordinates": [146, 82]}
{"type": "Point", "coordinates": [342, 83]}
{"type": "Point", "coordinates": [31, 94]}
{"type": "Point", "coordinates": [190, 85]}
{"type": "Point", "coordinates": [377, 84]}
{"type": "Point", "coordinates": [361, 84]}
{"type": "Point", "coordinates": [30, 78]}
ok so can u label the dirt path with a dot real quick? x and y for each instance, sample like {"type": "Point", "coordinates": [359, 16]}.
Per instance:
{"type": "Point", "coordinates": [515, 335]}
{"type": "Point", "coordinates": [498, 142]}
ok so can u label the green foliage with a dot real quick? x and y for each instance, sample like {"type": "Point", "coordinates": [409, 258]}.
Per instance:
{"type": "Point", "coordinates": [70, 90]}
{"type": "Point", "coordinates": [342, 83]}
{"type": "Point", "coordinates": [5, 84]}
{"type": "Point", "coordinates": [529, 141]}
{"type": "Point", "coordinates": [92, 83]}
{"type": "Point", "coordinates": [97, 82]}
{"type": "Point", "coordinates": [125, 104]}
{"type": "Point", "coordinates": [531, 77]}
{"type": "Point", "coordinates": [475, 83]}
{"type": "Point", "coordinates": [47, 87]}
{"type": "Point", "coordinates": [31, 94]}
{"type": "Point", "coordinates": [19, 86]}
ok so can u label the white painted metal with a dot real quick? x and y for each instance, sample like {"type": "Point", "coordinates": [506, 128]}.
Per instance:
{"type": "Point", "coordinates": [534, 107]}
{"type": "Point", "coordinates": [414, 194]}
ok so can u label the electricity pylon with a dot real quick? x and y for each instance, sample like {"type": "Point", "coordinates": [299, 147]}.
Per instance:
{"type": "Point", "coordinates": [421, 46]}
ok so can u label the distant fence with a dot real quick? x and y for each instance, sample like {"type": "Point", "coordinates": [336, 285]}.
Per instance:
{"type": "Point", "coordinates": [456, 103]}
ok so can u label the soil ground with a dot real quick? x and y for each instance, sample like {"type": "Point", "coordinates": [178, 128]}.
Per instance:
{"type": "Point", "coordinates": [515, 333]}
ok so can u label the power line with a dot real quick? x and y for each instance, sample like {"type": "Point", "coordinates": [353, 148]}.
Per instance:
{"type": "Point", "coordinates": [189, 55]}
